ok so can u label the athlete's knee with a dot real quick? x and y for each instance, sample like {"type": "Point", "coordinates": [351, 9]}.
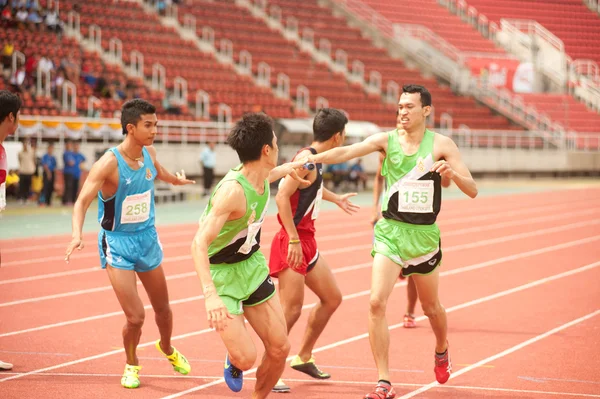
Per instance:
{"type": "Point", "coordinates": [333, 300]}
{"type": "Point", "coordinates": [163, 311]}
{"type": "Point", "coordinates": [278, 348]}
{"type": "Point", "coordinates": [432, 309]}
{"type": "Point", "coordinates": [136, 319]}
{"type": "Point", "coordinates": [245, 359]}
{"type": "Point", "coordinates": [293, 311]}
{"type": "Point", "coordinates": [377, 305]}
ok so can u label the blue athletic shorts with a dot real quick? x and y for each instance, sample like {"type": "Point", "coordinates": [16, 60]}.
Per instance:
{"type": "Point", "coordinates": [140, 251]}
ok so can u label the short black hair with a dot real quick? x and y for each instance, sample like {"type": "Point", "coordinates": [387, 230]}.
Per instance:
{"type": "Point", "coordinates": [9, 103]}
{"type": "Point", "coordinates": [425, 94]}
{"type": "Point", "coordinates": [250, 134]}
{"type": "Point", "coordinates": [132, 112]}
{"type": "Point", "coordinates": [327, 122]}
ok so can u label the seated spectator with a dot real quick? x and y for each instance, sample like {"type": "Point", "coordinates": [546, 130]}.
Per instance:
{"type": "Point", "coordinates": [357, 175]}
{"type": "Point", "coordinates": [12, 183]}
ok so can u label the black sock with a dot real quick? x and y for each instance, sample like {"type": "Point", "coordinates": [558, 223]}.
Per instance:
{"type": "Point", "coordinates": [384, 381]}
{"type": "Point", "coordinates": [441, 354]}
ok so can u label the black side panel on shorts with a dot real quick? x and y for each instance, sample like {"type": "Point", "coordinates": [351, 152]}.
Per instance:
{"type": "Point", "coordinates": [417, 218]}
{"type": "Point", "coordinates": [104, 244]}
{"type": "Point", "coordinates": [264, 291]}
{"type": "Point", "coordinates": [230, 253]}
{"type": "Point", "coordinates": [425, 267]}
{"type": "Point", "coordinates": [108, 219]}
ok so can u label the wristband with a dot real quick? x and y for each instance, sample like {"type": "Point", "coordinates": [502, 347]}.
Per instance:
{"type": "Point", "coordinates": [294, 242]}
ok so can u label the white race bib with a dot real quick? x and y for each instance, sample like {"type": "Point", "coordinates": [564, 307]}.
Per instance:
{"type": "Point", "coordinates": [318, 199]}
{"type": "Point", "coordinates": [416, 196]}
{"type": "Point", "coordinates": [253, 230]}
{"type": "Point", "coordinates": [136, 208]}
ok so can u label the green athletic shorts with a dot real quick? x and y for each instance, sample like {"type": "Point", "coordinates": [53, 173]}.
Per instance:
{"type": "Point", "coordinates": [416, 248]}
{"type": "Point", "coordinates": [246, 283]}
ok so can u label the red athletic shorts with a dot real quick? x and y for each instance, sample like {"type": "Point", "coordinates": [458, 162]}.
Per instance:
{"type": "Point", "coordinates": [279, 252]}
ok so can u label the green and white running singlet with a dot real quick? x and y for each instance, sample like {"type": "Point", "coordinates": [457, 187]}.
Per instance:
{"type": "Point", "coordinates": [407, 234]}
{"type": "Point", "coordinates": [237, 267]}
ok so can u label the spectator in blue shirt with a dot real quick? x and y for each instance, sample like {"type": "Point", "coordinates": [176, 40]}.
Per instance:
{"type": "Point", "coordinates": [49, 165]}
{"type": "Point", "coordinates": [208, 160]}
{"type": "Point", "coordinates": [79, 159]}
{"type": "Point", "coordinates": [68, 174]}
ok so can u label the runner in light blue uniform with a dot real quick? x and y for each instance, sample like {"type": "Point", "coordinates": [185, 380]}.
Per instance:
{"type": "Point", "coordinates": [128, 238]}
{"type": "Point", "coordinates": [123, 182]}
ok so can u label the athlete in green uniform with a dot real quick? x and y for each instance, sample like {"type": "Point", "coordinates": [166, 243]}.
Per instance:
{"type": "Point", "coordinates": [233, 272]}
{"type": "Point", "coordinates": [407, 240]}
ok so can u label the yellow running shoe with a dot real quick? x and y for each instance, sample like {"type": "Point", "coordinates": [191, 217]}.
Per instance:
{"type": "Point", "coordinates": [177, 360]}
{"type": "Point", "coordinates": [309, 368]}
{"type": "Point", "coordinates": [130, 377]}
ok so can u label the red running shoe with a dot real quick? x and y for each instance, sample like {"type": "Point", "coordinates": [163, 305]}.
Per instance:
{"type": "Point", "coordinates": [443, 367]}
{"type": "Point", "coordinates": [382, 391]}
{"type": "Point", "coordinates": [409, 321]}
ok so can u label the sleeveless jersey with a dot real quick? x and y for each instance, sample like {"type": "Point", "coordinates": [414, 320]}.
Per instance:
{"type": "Point", "coordinates": [239, 238]}
{"type": "Point", "coordinates": [413, 193]}
{"type": "Point", "coordinates": [306, 202]}
{"type": "Point", "coordinates": [3, 174]}
{"type": "Point", "coordinates": [131, 209]}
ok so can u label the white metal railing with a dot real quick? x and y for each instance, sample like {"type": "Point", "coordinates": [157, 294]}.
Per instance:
{"type": "Point", "coordinates": [245, 62]}
{"type": "Point", "coordinates": [263, 74]}
{"type": "Point", "coordinates": [44, 83]}
{"type": "Point", "coordinates": [321, 102]}
{"type": "Point", "coordinates": [325, 47]}
{"type": "Point", "coordinates": [109, 130]}
{"type": "Point", "coordinates": [275, 14]}
{"type": "Point", "coordinates": [95, 33]}
{"type": "Point", "coordinates": [224, 115]}
{"type": "Point", "coordinates": [18, 59]}
{"type": "Point", "coordinates": [226, 49]}
{"type": "Point", "coordinates": [136, 62]}
{"type": "Point", "coordinates": [74, 24]}
{"type": "Point", "coordinates": [302, 98]}
{"type": "Point", "coordinates": [202, 104]}
{"type": "Point", "coordinates": [92, 102]}
{"type": "Point", "coordinates": [158, 77]}
{"type": "Point", "coordinates": [115, 50]}
{"type": "Point", "coordinates": [208, 36]}
{"type": "Point", "coordinates": [69, 96]}
{"type": "Point", "coordinates": [393, 92]}
{"type": "Point", "coordinates": [283, 85]}
{"type": "Point", "coordinates": [341, 59]}
{"type": "Point", "coordinates": [189, 23]}
{"type": "Point", "coordinates": [180, 89]}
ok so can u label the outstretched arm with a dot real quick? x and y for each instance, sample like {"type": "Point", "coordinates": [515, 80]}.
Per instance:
{"type": "Point", "coordinates": [163, 174]}
{"type": "Point", "coordinates": [96, 178]}
{"type": "Point", "coordinates": [342, 201]}
{"type": "Point", "coordinates": [225, 202]}
{"type": "Point", "coordinates": [376, 142]}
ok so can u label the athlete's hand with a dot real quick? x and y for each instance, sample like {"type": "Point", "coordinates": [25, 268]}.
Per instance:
{"type": "Point", "coordinates": [292, 168]}
{"type": "Point", "coordinates": [75, 243]}
{"type": "Point", "coordinates": [181, 179]}
{"type": "Point", "coordinates": [444, 169]}
{"type": "Point", "coordinates": [346, 205]}
{"type": "Point", "coordinates": [294, 256]}
{"type": "Point", "coordinates": [216, 311]}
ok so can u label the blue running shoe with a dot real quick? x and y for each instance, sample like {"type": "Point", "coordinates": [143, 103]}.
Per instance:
{"type": "Point", "coordinates": [234, 377]}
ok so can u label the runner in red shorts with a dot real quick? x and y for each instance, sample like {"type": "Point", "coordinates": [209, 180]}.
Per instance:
{"type": "Point", "coordinates": [295, 259]}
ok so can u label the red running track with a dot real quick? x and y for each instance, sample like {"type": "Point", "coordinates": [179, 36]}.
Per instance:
{"type": "Point", "coordinates": [519, 282]}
